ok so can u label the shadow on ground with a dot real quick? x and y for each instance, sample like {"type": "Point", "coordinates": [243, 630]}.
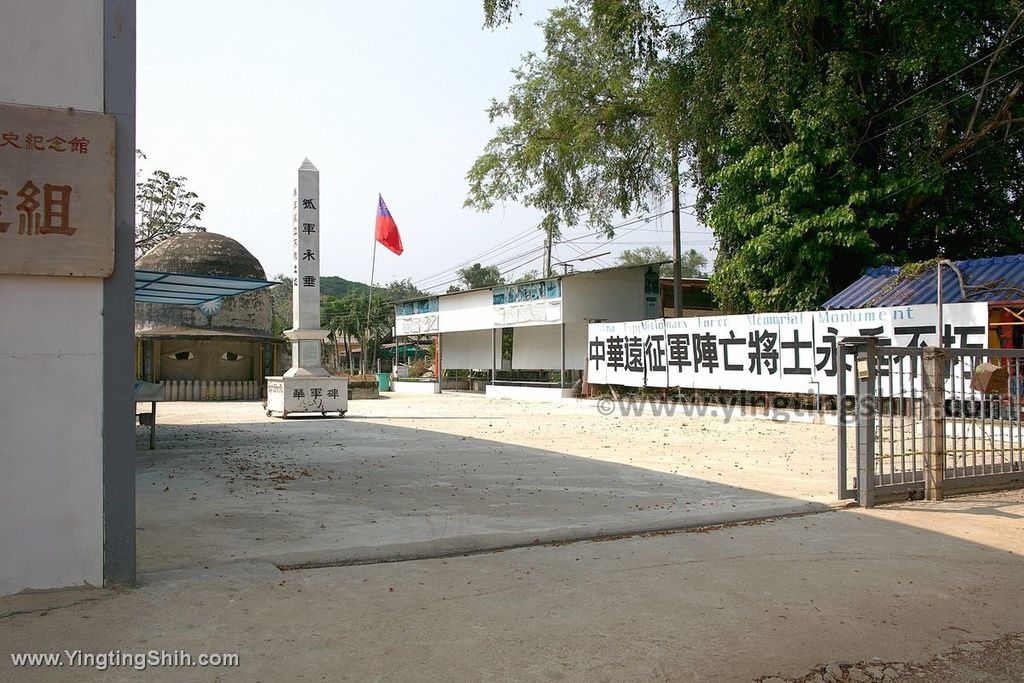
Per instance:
{"type": "Point", "coordinates": [338, 491]}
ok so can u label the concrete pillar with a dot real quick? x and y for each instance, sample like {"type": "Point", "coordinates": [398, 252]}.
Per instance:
{"type": "Point", "coordinates": [933, 410]}
{"type": "Point", "coordinates": [865, 432]}
{"type": "Point", "coordinates": [561, 347]}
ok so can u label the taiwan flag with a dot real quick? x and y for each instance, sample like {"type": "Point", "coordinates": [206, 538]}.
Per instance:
{"type": "Point", "coordinates": [387, 231]}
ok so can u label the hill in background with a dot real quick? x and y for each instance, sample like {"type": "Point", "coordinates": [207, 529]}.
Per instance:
{"type": "Point", "coordinates": [331, 285]}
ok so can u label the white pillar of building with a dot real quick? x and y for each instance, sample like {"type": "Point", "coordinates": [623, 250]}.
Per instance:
{"type": "Point", "coordinates": [67, 440]}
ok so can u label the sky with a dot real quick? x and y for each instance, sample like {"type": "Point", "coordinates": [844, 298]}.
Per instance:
{"type": "Point", "coordinates": [383, 97]}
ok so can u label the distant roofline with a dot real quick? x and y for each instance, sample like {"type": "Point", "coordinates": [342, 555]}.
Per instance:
{"type": "Point", "coordinates": [526, 282]}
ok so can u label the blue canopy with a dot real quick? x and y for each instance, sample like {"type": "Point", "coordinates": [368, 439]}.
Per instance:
{"type": "Point", "coordinates": [155, 287]}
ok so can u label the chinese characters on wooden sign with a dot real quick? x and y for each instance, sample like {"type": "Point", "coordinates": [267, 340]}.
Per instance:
{"type": "Point", "coordinates": [56, 192]}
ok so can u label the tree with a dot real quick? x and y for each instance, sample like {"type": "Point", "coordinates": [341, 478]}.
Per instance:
{"type": "Point", "coordinates": [590, 130]}
{"type": "Point", "coordinates": [693, 263]}
{"type": "Point", "coordinates": [840, 135]}
{"type": "Point", "coordinates": [827, 136]}
{"type": "Point", "coordinates": [164, 207]}
{"type": "Point", "coordinates": [576, 138]}
{"type": "Point", "coordinates": [398, 290]}
{"type": "Point", "coordinates": [281, 304]}
{"type": "Point", "coordinates": [475, 276]}
{"type": "Point", "coordinates": [528, 276]}
{"type": "Point", "coordinates": [346, 319]}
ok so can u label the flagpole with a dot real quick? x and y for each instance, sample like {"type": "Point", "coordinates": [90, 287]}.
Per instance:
{"type": "Point", "coordinates": [369, 305]}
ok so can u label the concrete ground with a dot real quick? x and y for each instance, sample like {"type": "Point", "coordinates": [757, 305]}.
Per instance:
{"type": "Point", "coordinates": [736, 603]}
{"type": "Point", "coordinates": [382, 547]}
{"type": "Point", "coordinates": [413, 476]}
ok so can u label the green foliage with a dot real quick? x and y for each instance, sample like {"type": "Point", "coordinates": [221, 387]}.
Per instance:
{"type": "Point", "coordinates": [331, 285]}
{"type": "Point", "coordinates": [498, 12]}
{"type": "Point", "coordinates": [346, 318]}
{"type": "Point", "coordinates": [823, 136]}
{"type": "Point", "coordinates": [164, 207]}
{"type": "Point", "coordinates": [281, 304]}
{"type": "Point", "coordinates": [528, 276]}
{"type": "Point", "coordinates": [579, 133]}
{"type": "Point", "coordinates": [398, 290]}
{"type": "Point", "coordinates": [829, 140]}
{"type": "Point", "coordinates": [694, 264]}
{"type": "Point", "coordinates": [475, 276]}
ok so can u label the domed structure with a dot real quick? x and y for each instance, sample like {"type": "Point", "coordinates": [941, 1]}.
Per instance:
{"type": "Point", "coordinates": [206, 253]}
{"type": "Point", "coordinates": [203, 253]}
{"type": "Point", "coordinates": [221, 350]}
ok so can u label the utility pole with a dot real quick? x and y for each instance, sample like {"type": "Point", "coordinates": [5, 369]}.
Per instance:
{"type": "Point", "coordinates": [547, 253]}
{"type": "Point", "coordinates": [677, 248]}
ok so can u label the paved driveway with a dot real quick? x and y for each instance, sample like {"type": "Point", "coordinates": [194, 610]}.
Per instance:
{"type": "Point", "coordinates": [422, 476]}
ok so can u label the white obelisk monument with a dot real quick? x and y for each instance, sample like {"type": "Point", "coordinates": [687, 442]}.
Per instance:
{"type": "Point", "coordinates": [306, 387]}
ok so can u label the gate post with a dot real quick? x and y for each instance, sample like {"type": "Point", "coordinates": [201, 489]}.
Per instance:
{"type": "Point", "coordinates": [865, 414]}
{"type": "Point", "coordinates": [933, 409]}
{"type": "Point", "coordinates": [841, 419]}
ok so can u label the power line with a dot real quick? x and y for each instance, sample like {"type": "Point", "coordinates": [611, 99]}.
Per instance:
{"type": "Point", "coordinates": [943, 80]}
{"type": "Point", "coordinates": [936, 175]}
{"type": "Point", "coordinates": [499, 248]}
{"type": "Point", "coordinates": [579, 251]}
{"type": "Point", "coordinates": [443, 277]}
{"type": "Point", "coordinates": [962, 95]}
{"type": "Point", "coordinates": [530, 252]}
{"type": "Point", "coordinates": [520, 265]}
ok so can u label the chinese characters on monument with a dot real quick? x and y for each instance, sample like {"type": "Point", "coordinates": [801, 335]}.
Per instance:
{"type": "Point", "coordinates": [306, 387]}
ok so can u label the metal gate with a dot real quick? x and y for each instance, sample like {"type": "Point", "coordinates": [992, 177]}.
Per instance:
{"type": "Point", "coordinates": [914, 427]}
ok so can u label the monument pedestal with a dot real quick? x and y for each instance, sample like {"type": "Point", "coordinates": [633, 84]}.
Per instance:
{"type": "Point", "coordinates": [290, 395]}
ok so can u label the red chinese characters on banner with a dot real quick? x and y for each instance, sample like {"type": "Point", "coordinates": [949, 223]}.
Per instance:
{"type": "Point", "coordinates": [32, 141]}
{"type": "Point", "coordinates": [54, 217]}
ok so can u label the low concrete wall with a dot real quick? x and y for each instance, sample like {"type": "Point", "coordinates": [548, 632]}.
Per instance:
{"type": "Point", "coordinates": [416, 388]}
{"type": "Point", "coordinates": [361, 390]}
{"type": "Point", "coordinates": [211, 390]}
{"type": "Point", "coordinates": [528, 393]}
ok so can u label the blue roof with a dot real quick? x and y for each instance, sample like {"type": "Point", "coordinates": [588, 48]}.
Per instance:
{"type": "Point", "coordinates": [1000, 278]}
{"type": "Point", "coordinates": [155, 287]}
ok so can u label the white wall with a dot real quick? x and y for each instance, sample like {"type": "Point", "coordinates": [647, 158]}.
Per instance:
{"type": "Point", "coordinates": [468, 350]}
{"type": "Point", "coordinates": [536, 348]}
{"type": "Point", "coordinates": [575, 346]}
{"type": "Point", "coordinates": [613, 296]}
{"type": "Point", "coordinates": [468, 311]}
{"type": "Point", "coordinates": [51, 384]}
{"type": "Point", "coordinates": [539, 348]}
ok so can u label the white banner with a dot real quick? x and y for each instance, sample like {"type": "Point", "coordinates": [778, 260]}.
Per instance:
{"type": "Point", "coordinates": [771, 352]}
{"type": "Point", "coordinates": [425, 323]}
{"type": "Point", "coordinates": [545, 312]}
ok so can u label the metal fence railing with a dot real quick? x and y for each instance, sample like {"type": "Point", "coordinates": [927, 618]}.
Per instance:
{"type": "Point", "coordinates": [914, 424]}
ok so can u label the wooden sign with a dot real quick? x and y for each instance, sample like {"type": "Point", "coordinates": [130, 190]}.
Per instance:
{"type": "Point", "coordinates": [56, 192]}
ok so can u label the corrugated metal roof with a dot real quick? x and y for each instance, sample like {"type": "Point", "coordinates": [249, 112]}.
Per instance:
{"type": "Point", "coordinates": [1000, 278]}
{"type": "Point", "coordinates": [156, 287]}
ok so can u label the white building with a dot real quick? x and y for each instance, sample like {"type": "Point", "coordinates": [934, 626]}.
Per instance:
{"type": "Point", "coordinates": [527, 339]}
